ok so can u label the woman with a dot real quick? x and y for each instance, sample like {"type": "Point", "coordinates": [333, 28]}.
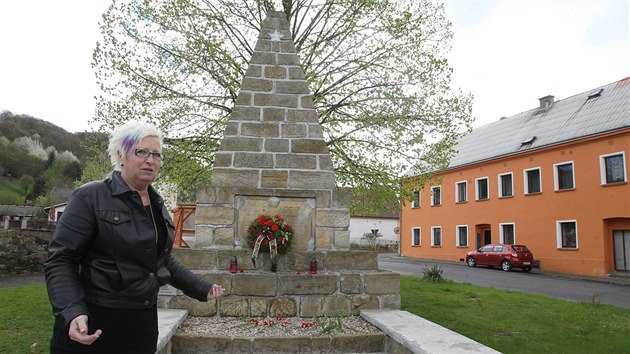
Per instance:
{"type": "Point", "coordinates": [111, 251]}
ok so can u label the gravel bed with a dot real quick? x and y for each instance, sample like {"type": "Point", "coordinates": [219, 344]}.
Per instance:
{"type": "Point", "coordinates": [275, 327]}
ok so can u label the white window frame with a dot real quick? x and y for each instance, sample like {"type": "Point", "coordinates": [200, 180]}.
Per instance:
{"type": "Point", "coordinates": [413, 201]}
{"type": "Point", "coordinates": [487, 188]}
{"type": "Point", "coordinates": [526, 180]}
{"type": "Point", "coordinates": [457, 228]}
{"type": "Point", "coordinates": [433, 196]}
{"type": "Point", "coordinates": [501, 238]}
{"type": "Point", "coordinates": [419, 236]}
{"type": "Point", "coordinates": [433, 228]}
{"type": "Point", "coordinates": [457, 196]}
{"type": "Point", "coordinates": [500, 184]}
{"type": "Point", "coordinates": [602, 167]}
{"type": "Point", "coordinates": [559, 235]}
{"type": "Point", "coordinates": [556, 182]}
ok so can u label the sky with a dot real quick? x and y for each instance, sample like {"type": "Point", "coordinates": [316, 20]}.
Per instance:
{"type": "Point", "coordinates": [507, 53]}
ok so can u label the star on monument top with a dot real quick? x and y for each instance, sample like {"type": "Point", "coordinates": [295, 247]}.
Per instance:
{"type": "Point", "coordinates": [275, 36]}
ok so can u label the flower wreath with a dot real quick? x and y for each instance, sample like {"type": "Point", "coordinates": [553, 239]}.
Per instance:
{"type": "Point", "coordinates": [270, 228]}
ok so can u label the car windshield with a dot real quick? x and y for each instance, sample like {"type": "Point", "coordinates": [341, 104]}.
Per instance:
{"type": "Point", "coordinates": [519, 248]}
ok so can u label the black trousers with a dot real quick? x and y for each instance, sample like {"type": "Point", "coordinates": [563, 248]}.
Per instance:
{"type": "Point", "coordinates": [124, 331]}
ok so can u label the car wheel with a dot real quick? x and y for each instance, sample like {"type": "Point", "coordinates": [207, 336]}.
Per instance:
{"type": "Point", "coordinates": [506, 265]}
{"type": "Point", "coordinates": [471, 262]}
{"type": "Point", "coordinates": [527, 269]}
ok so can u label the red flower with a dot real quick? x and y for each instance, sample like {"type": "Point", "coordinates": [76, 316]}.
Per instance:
{"type": "Point", "coordinates": [250, 231]}
{"type": "Point", "coordinates": [269, 223]}
{"type": "Point", "coordinates": [287, 227]}
{"type": "Point", "coordinates": [279, 218]}
{"type": "Point", "coordinates": [274, 227]}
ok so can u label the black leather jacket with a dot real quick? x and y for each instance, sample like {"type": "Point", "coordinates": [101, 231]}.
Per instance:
{"type": "Point", "coordinates": [104, 252]}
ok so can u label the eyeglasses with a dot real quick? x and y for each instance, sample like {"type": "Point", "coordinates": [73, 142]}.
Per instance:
{"type": "Point", "coordinates": [157, 156]}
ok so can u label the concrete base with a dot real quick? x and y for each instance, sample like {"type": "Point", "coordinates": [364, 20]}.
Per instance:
{"type": "Point", "coordinates": [168, 322]}
{"type": "Point", "coordinates": [420, 336]}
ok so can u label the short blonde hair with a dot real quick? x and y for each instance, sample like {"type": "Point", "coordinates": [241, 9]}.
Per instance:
{"type": "Point", "coordinates": [125, 138]}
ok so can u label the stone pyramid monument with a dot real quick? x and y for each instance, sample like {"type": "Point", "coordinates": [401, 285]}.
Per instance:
{"type": "Point", "coordinates": [273, 158]}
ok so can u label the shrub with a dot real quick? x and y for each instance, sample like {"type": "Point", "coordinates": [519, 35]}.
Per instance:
{"type": "Point", "coordinates": [434, 273]}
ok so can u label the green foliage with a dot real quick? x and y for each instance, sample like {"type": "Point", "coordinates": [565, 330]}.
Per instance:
{"type": "Point", "coordinates": [330, 325]}
{"type": "Point", "coordinates": [372, 238]}
{"type": "Point", "coordinates": [377, 71]}
{"type": "Point", "coordinates": [433, 273]}
{"type": "Point", "coordinates": [26, 321]}
{"type": "Point", "coordinates": [514, 322]}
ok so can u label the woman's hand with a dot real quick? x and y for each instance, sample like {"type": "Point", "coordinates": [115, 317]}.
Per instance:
{"type": "Point", "coordinates": [78, 331]}
{"type": "Point", "coordinates": [216, 291]}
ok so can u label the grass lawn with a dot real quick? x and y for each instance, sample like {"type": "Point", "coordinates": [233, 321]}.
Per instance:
{"type": "Point", "coordinates": [510, 322]}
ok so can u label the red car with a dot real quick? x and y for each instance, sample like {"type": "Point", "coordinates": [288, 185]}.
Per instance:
{"type": "Point", "coordinates": [505, 256]}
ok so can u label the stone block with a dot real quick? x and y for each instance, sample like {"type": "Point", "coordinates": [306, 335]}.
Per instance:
{"type": "Point", "coordinates": [231, 143]}
{"type": "Point", "coordinates": [342, 239]}
{"type": "Point", "coordinates": [323, 238]}
{"type": "Point", "coordinates": [255, 284]}
{"type": "Point", "coordinates": [245, 113]}
{"type": "Point", "coordinates": [272, 114]}
{"type": "Point", "coordinates": [264, 99]}
{"type": "Point", "coordinates": [206, 195]}
{"type": "Point", "coordinates": [324, 163]}
{"type": "Point", "coordinates": [361, 343]}
{"type": "Point", "coordinates": [311, 306]}
{"type": "Point", "coordinates": [397, 348]}
{"type": "Point", "coordinates": [189, 344]}
{"type": "Point", "coordinates": [265, 129]}
{"type": "Point", "coordinates": [391, 302]}
{"type": "Point", "coordinates": [312, 180]}
{"type": "Point", "coordinates": [293, 130]}
{"type": "Point", "coordinates": [276, 345]}
{"type": "Point", "coordinates": [194, 258]}
{"type": "Point", "coordinates": [302, 115]}
{"type": "Point", "coordinates": [274, 179]}
{"type": "Point", "coordinates": [240, 345]}
{"type": "Point", "coordinates": [214, 215]}
{"type": "Point", "coordinates": [292, 87]}
{"type": "Point", "coordinates": [233, 307]}
{"type": "Point", "coordinates": [259, 85]}
{"type": "Point", "coordinates": [292, 161]}
{"type": "Point", "coordinates": [351, 283]}
{"type": "Point", "coordinates": [282, 306]}
{"type": "Point", "coordinates": [288, 59]}
{"type": "Point", "coordinates": [296, 73]}
{"type": "Point", "coordinates": [307, 284]}
{"type": "Point", "coordinates": [302, 261]}
{"type": "Point", "coordinates": [235, 178]}
{"type": "Point", "coordinates": [352, 260]}
{"type": "Point", "coordinates": [223, 236]}
{"type": "Point", "coordinates": [336, 306]}
{"type": "Point", "coordinates": [333, 218]}
{"type": "Point", "coordinates": [262, 58]}
{"type": "Point", "coordinates": [244, 99]}
{"type": "Point", "coordinates": [315, 131]}
{"type": "Point", "coordinates": [275, 72]}
{"type": "Point", "coordinates": [242, 258]}
{"type": "Point", "coordinates": [231, 128]}
{"type": "Point", "coordinates": [223, 159]}
{"type": "Point", "coordinates": [204, 236]}
{"type": "Point", "coordinates": [364, 302]}
{"type": "Point", "coordinates": [382, 283]}
{"type": "Point", "coordinates": [309, 146]}
{"type": "Point", "coordinates": [321, 344]}
{"type": "Point", "coordinates": [253, 71]}
{"type": "Point", "coordinates": [194, 307]}
{"type": "Point", "coordinates": [306, 101]}
{"type": "Point", "coordinates": [222, 278]}
{"type": "Point", "coordinates": [258, 307]}
{"type": "Point", "coordinates": [277, 145]}
{"type": "Point", "coordinates": [262, 45]}
{"type": "Point", "coordinates": [253, 160]}
{"type": "Point", "coordinates": [324, 199]}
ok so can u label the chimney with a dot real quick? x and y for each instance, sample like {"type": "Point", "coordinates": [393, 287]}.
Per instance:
{"type": "Point", "coordinates": [546, 102]}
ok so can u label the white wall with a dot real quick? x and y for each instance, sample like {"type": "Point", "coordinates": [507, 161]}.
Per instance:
{"type": "Point", "coordinates": [359, 226]}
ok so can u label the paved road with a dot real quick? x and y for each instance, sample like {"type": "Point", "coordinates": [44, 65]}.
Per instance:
{"type": "Point", "coordinates": [536, 282]}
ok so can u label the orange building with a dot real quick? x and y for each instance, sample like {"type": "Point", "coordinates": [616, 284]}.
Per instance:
{"type": "Point", "coordinates": [554, 178]}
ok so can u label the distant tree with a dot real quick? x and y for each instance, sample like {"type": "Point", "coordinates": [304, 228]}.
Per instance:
{"type": "Point", "coordinates": [377, 71]}
{"type": "Point", "coordinates": [51, 159]}
{"type": "Point", "coordinates": [27, 185]}
{"type": "Point", "coordinates": [73, 170]}
{"type": "Point", "coordinates": [39, 187]}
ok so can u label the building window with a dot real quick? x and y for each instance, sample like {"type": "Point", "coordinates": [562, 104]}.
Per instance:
{"type": "Point", "coordinates": [506, 189]}
{"type": "Point", "coordinates": [507, 235]}
{"type": "Point", "coordinates": [416, 236]}
{"type": "Point", "coordinates": [436, 236]}
{"type": "Point", "coordinates": [461, 193]}
{"type": "Point", "coordinates": [462, 235]}
{"type": "Point", "coordinates": [566, 234]}
{"type": "Point", "coordinates": [415, 202]}
{"type": "Point", "coordinates": [481, 192]}
{"type": "Point", "coordinates": [563, 176]}
{"type": "Point", "coordinates": [532, 180]}
{"type": "Point", "coordinates": [613, 168]}
{"type": "Point", "coordinates": [436, 195]}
